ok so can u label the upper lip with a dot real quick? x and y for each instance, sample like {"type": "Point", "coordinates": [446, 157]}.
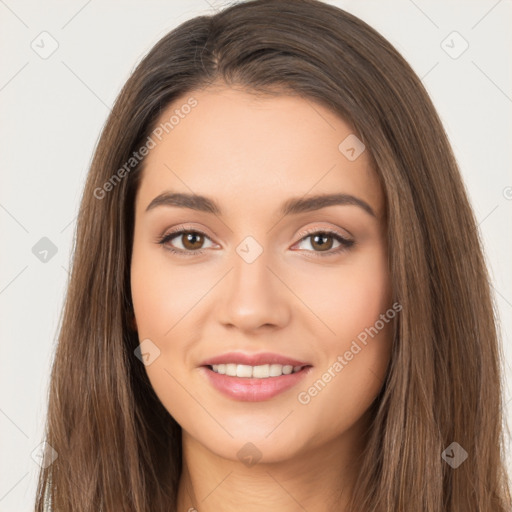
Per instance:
{"type": "Point", "coordinates": [253, 359]}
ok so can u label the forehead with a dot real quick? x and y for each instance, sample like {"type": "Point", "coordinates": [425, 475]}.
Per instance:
{"type": "Point", "coordinates": [252, 151]}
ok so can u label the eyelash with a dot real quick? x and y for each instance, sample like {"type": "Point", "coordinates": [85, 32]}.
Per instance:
{"type": "Point", "coordinates": [346, 244]}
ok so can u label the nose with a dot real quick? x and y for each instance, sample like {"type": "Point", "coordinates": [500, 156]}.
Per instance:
{"type": "Point", "coordinates": [254, 296]}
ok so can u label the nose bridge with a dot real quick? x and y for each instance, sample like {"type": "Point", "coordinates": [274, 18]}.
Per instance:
{"type": "Point", "coordinates": [253, 295]}
{"type": "Point", "coordinates": [251, 267]}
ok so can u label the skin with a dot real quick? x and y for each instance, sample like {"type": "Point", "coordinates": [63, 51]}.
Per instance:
{"type": "Point", "coordinates": [250, 154]}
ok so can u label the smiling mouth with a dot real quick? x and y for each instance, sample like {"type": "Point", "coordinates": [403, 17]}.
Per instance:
{"type": "Point", "coordinates": [264, 371]}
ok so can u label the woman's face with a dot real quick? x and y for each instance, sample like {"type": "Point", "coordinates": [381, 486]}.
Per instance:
{"type": "Point", "coordinates": [283, 263]}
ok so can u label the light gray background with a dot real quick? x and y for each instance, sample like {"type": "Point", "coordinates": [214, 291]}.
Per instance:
{"type": "Point", "coordinates": [52, 112]}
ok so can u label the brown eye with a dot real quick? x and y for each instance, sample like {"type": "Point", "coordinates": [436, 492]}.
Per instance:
{"type": "Point", "coordinates": [192, 240]}
{"type": "Point", "coordinates": [322, 241]}
{"type": "Point", "coordinates": [186, 242]}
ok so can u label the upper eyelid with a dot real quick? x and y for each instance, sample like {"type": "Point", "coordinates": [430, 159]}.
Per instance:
{"type": "Point", "coordinates": [329, 231]}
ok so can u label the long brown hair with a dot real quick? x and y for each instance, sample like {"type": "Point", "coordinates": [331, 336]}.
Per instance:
{"type": "Point", "coordinates": [118, 447]}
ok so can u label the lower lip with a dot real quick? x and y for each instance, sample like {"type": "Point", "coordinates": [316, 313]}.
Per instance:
{"type": "Point", "coordinates": [250, 389]}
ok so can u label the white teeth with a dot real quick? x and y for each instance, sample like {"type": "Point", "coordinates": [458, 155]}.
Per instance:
{"type": "Point", "coordinates": [287, 369]}
{"type": "Point", "coordinates": [276, 370]}
{"type": "Point", "coordinates": [263, 371]}
{"type": "Point", "coordinates": [243, 370]}
{"type": "Point", "coordinates": [231, 370]}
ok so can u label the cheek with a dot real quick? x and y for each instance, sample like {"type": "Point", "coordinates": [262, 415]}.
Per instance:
{"type": "Point", "coordinates": [160, 297]}
{"type": "Point", "coordinates": [356, 357]}
{"type": "Point", "coordinates": [350, 298]}
{"type": "Point", "coordinates": [160, 300]}
{"type": "Point", "coordinates": [363, 296]}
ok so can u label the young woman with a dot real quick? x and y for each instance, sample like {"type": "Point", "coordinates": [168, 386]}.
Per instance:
{"type": "Point", "coordinates": [278, 299]}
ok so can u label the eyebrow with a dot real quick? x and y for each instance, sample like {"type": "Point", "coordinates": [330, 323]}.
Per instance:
{"type": "Point", "coordinates": [292, 206]}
